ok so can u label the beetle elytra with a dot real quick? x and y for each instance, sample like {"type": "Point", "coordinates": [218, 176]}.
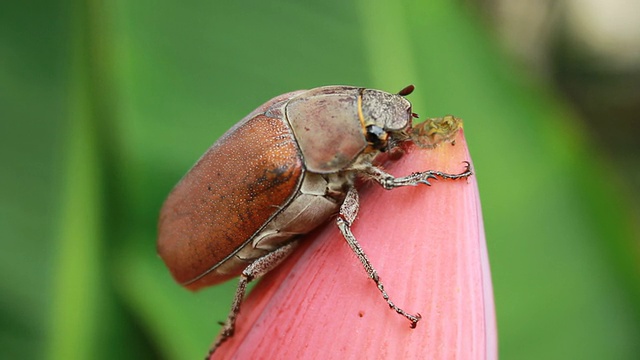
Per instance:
{"type": "Point", "coordinates": [279, 173]}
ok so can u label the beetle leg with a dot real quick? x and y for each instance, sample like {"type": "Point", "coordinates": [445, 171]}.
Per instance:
{"type": "Point", "coordinates": [254, 271]}
{"type": "Point", "coordinates": [348, 213]}
{"type": "Point", "coordinates": [389, 182]}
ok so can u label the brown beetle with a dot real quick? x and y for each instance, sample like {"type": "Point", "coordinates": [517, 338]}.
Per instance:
{"type": "Point", "coordinates": [281, 172]}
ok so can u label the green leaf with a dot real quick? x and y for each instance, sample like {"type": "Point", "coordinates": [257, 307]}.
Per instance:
{"type": "Point", "coordinates": [102, 117]}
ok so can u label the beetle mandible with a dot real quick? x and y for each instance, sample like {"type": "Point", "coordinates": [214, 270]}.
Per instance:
{"type": "Point", "coordinates": [279, 173]}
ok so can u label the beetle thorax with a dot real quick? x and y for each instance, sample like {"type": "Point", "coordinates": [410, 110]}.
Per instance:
{"type": "Point", "coordinates": [334, 125]}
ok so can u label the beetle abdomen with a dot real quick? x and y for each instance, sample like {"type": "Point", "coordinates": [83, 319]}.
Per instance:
{"type": "Point", "coordinates": [241, 182]}
{"type": "Point", "coordinates": [309, 208]}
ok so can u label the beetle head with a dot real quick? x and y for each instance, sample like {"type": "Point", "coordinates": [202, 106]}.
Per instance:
{"type": "Point", "coordinates": [386, 118]}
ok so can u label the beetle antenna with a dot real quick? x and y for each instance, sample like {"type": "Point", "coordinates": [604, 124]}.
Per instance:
{"type": "Point", "coordinates": [407, 90]}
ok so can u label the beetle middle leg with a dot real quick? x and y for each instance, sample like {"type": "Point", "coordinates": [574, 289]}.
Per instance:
{"type": "Point", "coordinates": [254, 271]}
{"type": "Point", "coordinates": [348, 213]}
{"type": "Point", "coordinates": [389, 182]}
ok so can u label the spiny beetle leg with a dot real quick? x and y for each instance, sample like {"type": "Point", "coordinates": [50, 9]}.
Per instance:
{"type": "Point", "coordinates": [348, 212]}
{"type": "Point", "coordinates": [254, 271]}
{"type": "Point", "coordinates": [389, 182]}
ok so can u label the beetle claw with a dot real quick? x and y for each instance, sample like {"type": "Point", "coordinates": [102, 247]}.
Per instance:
{"type": "Point", "coordinates": [414, 322]}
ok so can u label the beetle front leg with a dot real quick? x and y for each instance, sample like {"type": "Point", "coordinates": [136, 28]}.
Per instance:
{"type": "Point", "coordinates": [348, 213]}
{"type": "Point", "coordinates": [254, 271]}
{"type": "Point", "coordinates": [389, 182]}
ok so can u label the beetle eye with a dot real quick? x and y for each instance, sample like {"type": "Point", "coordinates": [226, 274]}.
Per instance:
{"type": "Point", "coordinates": [376, 136]}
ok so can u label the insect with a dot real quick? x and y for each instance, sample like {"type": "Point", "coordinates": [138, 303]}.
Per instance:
{"type": "Point", "coordinates": [282, 171]}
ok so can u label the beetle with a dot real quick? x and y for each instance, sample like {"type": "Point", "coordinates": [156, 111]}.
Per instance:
{"type": "Point", "coordinates": [279, 173]}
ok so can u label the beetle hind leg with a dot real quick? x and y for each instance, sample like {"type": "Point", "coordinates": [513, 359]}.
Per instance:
{"type": "Point", "coordinates": [254, 271]}
{"type": "Point", "coordinates": [348, 213]}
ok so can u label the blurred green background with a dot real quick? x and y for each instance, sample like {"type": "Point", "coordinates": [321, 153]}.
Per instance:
{"type": "Point", "coordinates": [105, 105]}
